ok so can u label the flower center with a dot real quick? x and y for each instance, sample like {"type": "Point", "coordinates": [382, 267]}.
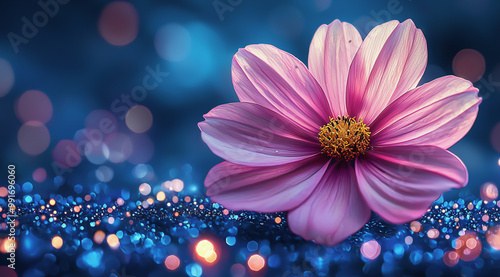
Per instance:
{"type": "Point", "coordinates": [344, 138]}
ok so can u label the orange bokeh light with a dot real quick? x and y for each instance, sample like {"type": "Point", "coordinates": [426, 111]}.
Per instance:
{"type": "Point", "coordinates": [57, 242]}
{"type": "Point", "coordinates": [256, 262]}
{"type": "Point", "coordinates": [205, 249]}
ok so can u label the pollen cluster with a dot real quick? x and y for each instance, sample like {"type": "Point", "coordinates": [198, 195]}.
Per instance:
{"type": "Point", "coordinates": [344, 138]}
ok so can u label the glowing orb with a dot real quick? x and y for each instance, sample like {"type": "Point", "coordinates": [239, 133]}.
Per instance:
{"type": "Point", "coordinates": [256, 262]}
{"type": "Point", "coordinates": [370, 249]}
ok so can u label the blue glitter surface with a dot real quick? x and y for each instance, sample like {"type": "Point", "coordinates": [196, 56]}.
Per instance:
{"type": "Point", "coordinates": [99, 112]}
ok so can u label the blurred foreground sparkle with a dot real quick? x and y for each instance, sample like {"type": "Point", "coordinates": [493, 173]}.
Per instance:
{"type": "Point", "coordinates": [161, 221]}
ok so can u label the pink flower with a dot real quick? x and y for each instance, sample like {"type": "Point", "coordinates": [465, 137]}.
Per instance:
{"type": "Point", "coordinates": [349, 135]}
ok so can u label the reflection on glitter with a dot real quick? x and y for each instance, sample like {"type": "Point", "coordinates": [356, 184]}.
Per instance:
{"type": "Point", "coordinates": [370, 249]}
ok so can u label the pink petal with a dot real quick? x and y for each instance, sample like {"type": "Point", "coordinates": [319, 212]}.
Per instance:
{"type": "Point", "coordinates": [399, 183]}
{"type": "Point", "coordinates": [390, 61]}
{"type": "Point", "coordinates": [270, 77]}
{"type": "Point", "coordinates": [264, 189]}
{"type": "Point", "coordinates": [438, 113]}
{"type": "Point", "coordinates": [331, 52]}
{"type": "Point", "coordinates": [249, 134]}
{"type": "Point", "coordinates": [335, 209]}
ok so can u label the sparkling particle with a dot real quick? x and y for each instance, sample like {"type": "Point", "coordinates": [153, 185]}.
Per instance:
{"type": "Point", "coordinates": [256, 262]}
{"type": "Point", "coordinates": [139, 119]}
{"type": "Point", "coordinates": [172, 262]}
{"type": "Point", "coordinates": [370, 249]}
{"type": "Point", "coordinates": [57, 242]}
{"type": "Point", "coordinates": [277, 220]}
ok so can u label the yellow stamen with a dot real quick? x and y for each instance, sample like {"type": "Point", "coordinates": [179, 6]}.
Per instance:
{"type": "Point", "coordinates": [344, 138]}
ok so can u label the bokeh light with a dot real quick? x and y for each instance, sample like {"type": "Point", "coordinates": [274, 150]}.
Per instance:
{"type": "Point", "coordinates": [495, 137]}
{"type": "Point", "coordinates": [160, 196]}
{"type": "Point", "coordinates": [172, 262]}
{"type": "Point", "coordinates": [113, 241]}
{"type": "Point", "coordinates": [99, 236]}
{"type": "Point", "coordinates": [238, 270]}
{"type": "Point", "coordinates": [468, 247]}
{"type": "Point", "coordinates": [66, 154]}
{"type": "Point", "coordinates": [489, 192]}
{"type": "Point", "coordinates": [145, 189]}
{"type": "Point", "coordinates": [6, 77]}
{"type": "Point", "coordinates": [177, 185]}
{"type": "Point", "coordinates": [57, 242]}
{"type": "Point", "coordinates": [416, 226]}
{"type": "Point", "coordinates": [173, 42]}
{"type": "Point", "coordinates": [33, 138]}
{"type": "Point", "coordinates": [450, 258]}
{"type": "Point", "coordinates": [139, 119]}
{"type": "Point", "coordinates": [120, 147]}
{"type": "Point", "coordinates": [119, 23]}
{"type": "Point", "coordinates": [39, 175]}
{"type": "Point", "coordinates": [204, 248]}
{"type": "Point", "coordinates": [433, 233]}
{"type": "Point", "coordinates": [104, 173]}
{"type": "Point", "coordinates": [370, 249]}
{"type": "Point", "coordinates": [469, 64]}
{"type": "Point", "coordinates": [256, 262]}
{"type": "Point", "coordinates": [493, 237]}
{"type": "Point", "coordinates": [34, 105]}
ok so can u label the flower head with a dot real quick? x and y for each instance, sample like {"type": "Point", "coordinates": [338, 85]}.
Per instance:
{"type": "Point", "coordinates": [350, 134]}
